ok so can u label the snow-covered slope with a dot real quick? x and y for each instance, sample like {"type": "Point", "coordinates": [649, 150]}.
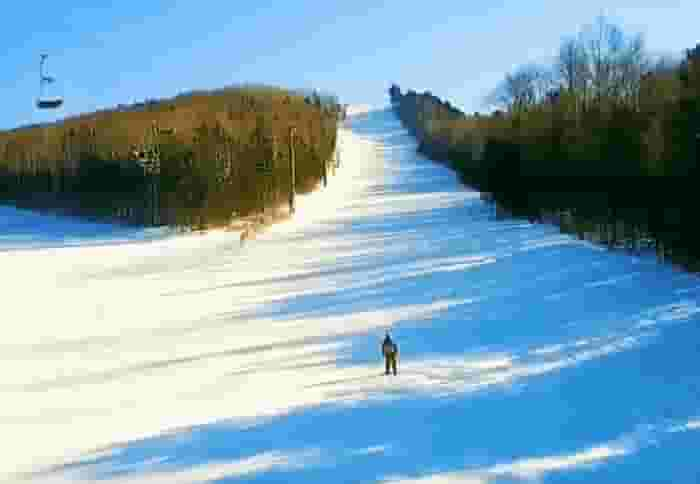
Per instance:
{"type": "Point", "coordinates": [525, 355]}
{"type": "Point", "coordinates": [24, 229]}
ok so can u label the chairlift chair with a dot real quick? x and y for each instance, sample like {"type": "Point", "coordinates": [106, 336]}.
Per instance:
{"type": "Point", "coordinates": [45, 102]}
{"type": "Point", "coordinates": [49, 103]}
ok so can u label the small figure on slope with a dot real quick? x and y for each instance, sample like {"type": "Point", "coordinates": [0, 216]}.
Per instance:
{"type": "Point", "coordinates": [390, 350]}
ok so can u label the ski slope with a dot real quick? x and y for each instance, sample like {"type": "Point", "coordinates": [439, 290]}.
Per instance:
{"type": "Point", "coordinates": [526, 355]}
{"type": "Point", "coordinates": [24, 229]}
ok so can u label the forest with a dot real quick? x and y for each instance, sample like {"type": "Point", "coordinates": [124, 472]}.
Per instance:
{"type": "Point", "coordinates": [605, 140]}
{"type": "Point", "coordinates": [196, 160]}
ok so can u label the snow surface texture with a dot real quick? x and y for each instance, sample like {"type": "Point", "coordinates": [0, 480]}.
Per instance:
{"type": "Point", "coordinates": [24, 229]}
{"type": "Point", "coordinates": [526, 355]}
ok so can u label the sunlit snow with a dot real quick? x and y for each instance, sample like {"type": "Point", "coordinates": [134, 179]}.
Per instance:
{"type": "Point", "coordinates": [132, 356]}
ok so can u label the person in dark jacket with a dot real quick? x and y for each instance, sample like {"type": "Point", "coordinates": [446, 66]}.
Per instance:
{"type": "Point", "coordinates": [390, 350]}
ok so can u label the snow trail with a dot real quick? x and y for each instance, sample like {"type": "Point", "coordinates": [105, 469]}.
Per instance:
{"type": "Point", "coordinates": [526, 355]}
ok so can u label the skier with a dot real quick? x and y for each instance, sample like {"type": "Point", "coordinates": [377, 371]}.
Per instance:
{"type": "Point", "coordinates": [390, 350]}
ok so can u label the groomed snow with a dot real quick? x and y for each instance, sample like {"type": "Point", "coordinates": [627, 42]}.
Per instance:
{"type": "Point", "coordinates": [526, 356]}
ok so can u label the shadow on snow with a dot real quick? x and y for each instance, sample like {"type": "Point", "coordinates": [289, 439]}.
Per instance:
{"type": "Point", "coordinates": [538, 354]}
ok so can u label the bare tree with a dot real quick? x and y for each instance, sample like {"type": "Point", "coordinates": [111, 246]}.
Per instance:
{"type": "Point", "coordinates": [633, 64]}
{"type": "Point", "coordinates": [523, 88]}
{"type": "Point", "coordinates": [545, 81]}
{"type": "Point", "coordinates": [615, 62]}
{"type": "Point", "coordinates": [572, 65]}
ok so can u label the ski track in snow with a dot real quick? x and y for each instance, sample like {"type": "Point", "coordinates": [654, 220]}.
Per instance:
{"type": "Point", "coordinates": [526, 356]}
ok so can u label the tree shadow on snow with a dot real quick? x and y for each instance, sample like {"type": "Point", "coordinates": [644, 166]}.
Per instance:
{"type": "Point", "coordinates": [524, 354]}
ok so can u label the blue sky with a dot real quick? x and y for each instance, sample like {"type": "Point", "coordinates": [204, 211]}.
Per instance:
{"type": "Point", "coordinates": [459, 50]}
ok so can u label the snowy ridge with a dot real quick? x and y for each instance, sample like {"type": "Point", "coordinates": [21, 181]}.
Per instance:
{"type": "Point", "coordinates": [526, 355]}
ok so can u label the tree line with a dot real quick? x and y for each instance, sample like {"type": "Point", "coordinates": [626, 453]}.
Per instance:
{"type": "Point", "coordinates": [605, 134]}
{"type": "Point", "coordinates": [193, 160]}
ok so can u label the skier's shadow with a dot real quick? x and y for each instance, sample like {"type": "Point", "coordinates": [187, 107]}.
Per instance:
{"type": "Point", "coordinates": [340, 381]}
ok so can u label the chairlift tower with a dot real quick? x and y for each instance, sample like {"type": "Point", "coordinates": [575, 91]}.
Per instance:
{"type": "Point", "coordinates": [149, 160]}
{"type": "Point", "coordinates": [265, 167]}
{"type": "Point", "coordinates": [292, 170]}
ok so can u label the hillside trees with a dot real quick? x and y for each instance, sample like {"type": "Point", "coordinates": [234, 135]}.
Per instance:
{"type": "Point", "coordinates": [206, 145]}
{"type": "Point", "coordinates": [603, 132]}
